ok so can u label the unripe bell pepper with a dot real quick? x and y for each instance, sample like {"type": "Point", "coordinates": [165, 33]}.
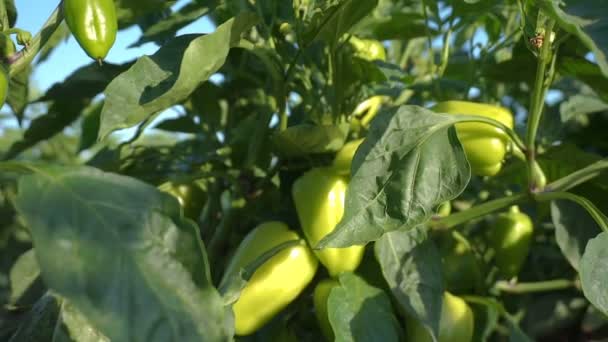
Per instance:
{"type": "Point", "coordinates": [319, 199]}
{"type": "Point", "coordinates": [485, 145]}
{"type": "Point", "coordinates": [274, 284]}
{"type": "Point", "coordinates": [320, 297]}
{"type": "Point", "coordinates": [510, 237]}
{"type": "Point", "coordinates": [93, 23]}
{"type": "Point", "coordinates": [455, 325]}
{"type": "Point", "coordinates": [4, 79]}
{"type": "Point", "coordinates": [344, 157]}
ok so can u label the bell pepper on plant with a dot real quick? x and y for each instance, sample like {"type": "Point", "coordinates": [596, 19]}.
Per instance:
{"type": "Point", "coordinates": [510, 236]}
{"type": "Point", "coordinates": [320, 297]}
{"type": "Point", "coordinates": [484, 144]}
{"type": "Point", "coordinates": [93, 23]}
{"type": "Point", "coordinates": [455, 325]}
{"type": "Point", "coordinates": [344, 157]}
{"type": "Point", "coordinates": [319, 200]}
{"type": "Point", "coordinates": [274, 284]}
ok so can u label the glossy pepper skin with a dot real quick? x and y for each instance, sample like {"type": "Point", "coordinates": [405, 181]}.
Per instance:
{"type": "Point", "coordinates": [344, 157]}
{"type": "Point", "coordinates": [510, 237]}
{"type": "Point", "coordinates": [368, 49]}
{"type": "Point", "coordinates": [455, 325]}
{"type": "Point", "coordinates": [277, 282]}
{"type": "Point", "coordinates": [320, 297]}
{"type": "Point", "coordinates": [4, 79]}
{"type": "Point", "coordinates": [93, 23]}
{"type": "Point", "coordinates": [484, 144]}
{"type": "Point", "coordinates": [319, 199]}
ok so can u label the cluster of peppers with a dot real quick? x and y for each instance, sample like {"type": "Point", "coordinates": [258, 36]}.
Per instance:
{"type": "Point", "coordinates": [319, 201]}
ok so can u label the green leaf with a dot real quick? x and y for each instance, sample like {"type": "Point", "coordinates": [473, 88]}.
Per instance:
{"type": "Point", "coordinates": [26, 285]}
{"type": "Point", "coordinates": [486, 311]}
{"type": "Point", "coordinates": [411, 265]}
{"type": "Point", "coordinates": [410, 162]}
{"type": "Point", "coordinates": [573, 229]}
{"type": "Point", "coordinates": [392, 20]}
{"type": "Point", "coordinates": [586, 72]}
{"type": "Point", "coordinates": [581, 105]}
{"type": "Point", "coordinates": [330, 21]}
{"type": "Point", "coordinates": [18, 92]}
{"type": "Point", "coordinates": [169, 76]}
{"type": "Point", "coordinates": [73, 326]}
{"type": "Point", "coordinates": [593, 272]}
{"type": "Point", "coordinates": [90, 126]}
{"type": "Point", "coordinates": [168, 27]}
{"type": "Point", "coordinates": [112, 244]}
{"type": "Point", "coordinates": [39, 323]}
{"type": "Point", "coordinates": [69, 98]}
{"type": "Point", "coordinates": [304, 139]}
{"type": "Point", "coordinates": [360, 312]}
{"type": "Point", "coordinates": [586, 19]}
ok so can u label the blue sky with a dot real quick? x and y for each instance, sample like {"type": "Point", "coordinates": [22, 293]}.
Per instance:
{"type": "Point", "coordinates": [68, 56]}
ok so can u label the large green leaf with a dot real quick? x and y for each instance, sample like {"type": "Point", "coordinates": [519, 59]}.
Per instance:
{"type": "Point", "coordinates": [121, 252]}
{"type": "Point", "coordinates": [411, 265]}
{"type": "Point", "coordinates": [360, 312]}
{"type": "Point", "coordinates": [573, 229]}
{"type": "Point", "coordinates": [74, 326]}
{"type": "Point", "coordinates": [169, 76]}
{"type": "Point", "coordinates": [593, 272]}
{"type": "Point", "coordinates": [586, 19]}
{"type": "Point", "coordinates": [410, 162]}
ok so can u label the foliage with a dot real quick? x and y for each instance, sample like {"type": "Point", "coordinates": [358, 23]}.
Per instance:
{"type": "Point", "coordinates": [94, 247]}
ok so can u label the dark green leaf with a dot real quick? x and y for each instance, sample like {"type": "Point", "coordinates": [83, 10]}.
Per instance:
{"type": "Point", "coordinates": [18, 92]}
{"type": "Point", "coordinates": [110, 243]}
{"type": "Point", "coordinates": [90, 126]}
{"type": "Point", "coordinates": [573, 229]}
{"type": "Point", "coordinates": [169, 76]}
{"type": "Point", "coordinates": [182, 124]}
{"type": "Point", "coordinates": [26, 285]}
{"type": "Point", "coordinates": [586, 19]}
{"type": "Point", "coordinates": [168, 27]}
{"type": "Point", "coordinates": [39, 323]}
{"type": "Point", "coordinates": [330, 21]}
{"type": "Point", "coordinates": [410, 162]}
{"type": "Point", "coordinates": [411, 265]}
{"type": "Point", "coordinates": [581, 105]}
{"type": "Point", "coordinates": [360, 312]}
{"type": "Point", "coordinates": [593, 273]}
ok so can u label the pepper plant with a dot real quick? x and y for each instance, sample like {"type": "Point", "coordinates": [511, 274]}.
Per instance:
{"type": "Point", "coordinates": [348, 170]}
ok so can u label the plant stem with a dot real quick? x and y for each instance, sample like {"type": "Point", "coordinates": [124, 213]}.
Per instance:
{"type": "Point", "coordinates": [538, 98]}
{"type": "Point", "coordinates": [508, 131]}
{"type": "Point", "coordinates": [23, 58]}
{"type": "Point", "coordinates": [541, 286]}
{"type": "Point", "coordinates": [578, 177]}
{"type": "Point", "coordinates": [595, 213]}
{"type": "Point", "coordinates": [478, 211]}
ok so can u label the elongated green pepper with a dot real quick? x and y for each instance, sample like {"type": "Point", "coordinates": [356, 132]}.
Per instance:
{"type": "Point", "coordinates": [93, 23]}
{"type": "Point", "coordinates": [319, 199]}
{"type": "Point", "coordinates": [274, 284]}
